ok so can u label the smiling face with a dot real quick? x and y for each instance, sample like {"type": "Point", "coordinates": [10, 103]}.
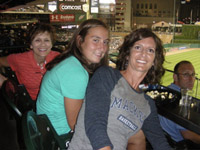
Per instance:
{"type": "Point", "coordinates": [41, 45]}
{"type": "Point", "coordinates": [95, 44]}
{"type": "Point", "coordinates": [142, 55]}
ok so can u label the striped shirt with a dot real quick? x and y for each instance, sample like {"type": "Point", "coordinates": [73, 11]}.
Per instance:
{"type": "Point", "coordinates": [27, 70]}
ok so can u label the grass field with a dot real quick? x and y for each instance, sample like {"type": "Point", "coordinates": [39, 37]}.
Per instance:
{"type": "Point", "coordinates": [193, 55]}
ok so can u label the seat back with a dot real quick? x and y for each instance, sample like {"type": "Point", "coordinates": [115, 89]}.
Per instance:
{"type": "Point", "coordinates": [25, 102]}
{"type": "Point", "coordinates": [7, 72]}
{"type": "Point", "coordinates": [17, 104]}
{"type": "Point", "coordinates": [39, 134]}
{"type": "Point", "coordinates": [17, 98]}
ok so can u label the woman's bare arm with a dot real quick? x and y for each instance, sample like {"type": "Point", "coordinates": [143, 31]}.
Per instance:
{"type": "Point", "coordinates": [72, 108]}
{"type": "Point", "coordinates": [137, 142]}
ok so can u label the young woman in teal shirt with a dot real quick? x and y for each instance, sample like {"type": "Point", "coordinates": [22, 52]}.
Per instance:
{"type": "Point", "coordinates": [64, 84]}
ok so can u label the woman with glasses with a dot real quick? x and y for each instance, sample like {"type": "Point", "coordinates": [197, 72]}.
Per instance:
{"type": "Point", "coordinates": [116, 113]}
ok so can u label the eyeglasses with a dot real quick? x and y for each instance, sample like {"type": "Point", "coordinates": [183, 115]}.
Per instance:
{"type": "Point", "coordinates": [187, 75]}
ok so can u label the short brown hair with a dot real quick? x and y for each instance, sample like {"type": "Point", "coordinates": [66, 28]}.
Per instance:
{"type": "Point", "coordinates": [41, 28]}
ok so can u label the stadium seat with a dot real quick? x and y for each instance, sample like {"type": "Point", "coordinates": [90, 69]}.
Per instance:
{"type": "Point", "coordinates": [39, 134]}
{"type": "Point", "coordinates": [17, 98]}
{"type": "Point", "coordinates": [17, 102]}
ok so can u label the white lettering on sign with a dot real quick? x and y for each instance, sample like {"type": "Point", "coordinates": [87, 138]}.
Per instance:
{"type": "Point", "coordinates": [64, 7]}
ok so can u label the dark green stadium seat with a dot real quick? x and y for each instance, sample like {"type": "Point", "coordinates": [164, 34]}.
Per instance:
{"type": "Point", "coordinates": [17, 98]}
{"type": "Point", "coordinates": [39, 133]}
{"type": "Point", "coordinates": [17, 102]}
{"type": "Point", "coordinates": [7, 72]}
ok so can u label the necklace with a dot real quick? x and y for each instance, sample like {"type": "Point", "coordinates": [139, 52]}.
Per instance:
{"type": "Point", "coordinates": [42, 65]}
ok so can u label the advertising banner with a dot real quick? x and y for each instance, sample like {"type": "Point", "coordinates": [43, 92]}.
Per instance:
{"type": "Point", "coordinates": [66, 7]}
{"type": "Point", "coordinates": [70, 11]}
{"type": "Point", "coordinates": [62, 17]}
{"type": "Point", "coordinates": [94, 6]}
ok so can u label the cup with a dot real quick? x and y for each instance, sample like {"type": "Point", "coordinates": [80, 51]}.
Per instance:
{"type": "Point", "coordinates": [186, 97]}
{"type": "Point", "coordinates": [185, 102]}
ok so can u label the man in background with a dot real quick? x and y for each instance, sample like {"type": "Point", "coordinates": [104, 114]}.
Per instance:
{"type": "Point", "coordinates": [184, 78]}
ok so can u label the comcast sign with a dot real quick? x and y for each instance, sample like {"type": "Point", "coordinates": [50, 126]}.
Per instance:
{"type": "Point", "coordinates": [66, 7]}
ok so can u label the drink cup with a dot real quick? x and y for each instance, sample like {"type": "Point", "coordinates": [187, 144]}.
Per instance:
{"type": "Point", "coordinates": [186, 97]}
{"type": "Point", "coordinates": [185, 102]}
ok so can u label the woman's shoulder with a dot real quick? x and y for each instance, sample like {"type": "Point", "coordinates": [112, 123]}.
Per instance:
{"type": "Point", "coordinates": [73, 62]}
{"type": "Point", "coordinates": [71, 65]}
{"type": "Point", "coordinates": [106, 77]}
{"type": "Point", "coordinates": [21, 54]}
{"type": "Point", "coordinates": [107, 70]}
{"type": "Point", "coordinates": [107, 73]}
{"type": "Point", "coordinates": [54, 53]}
{"type": "Point", "coordinates": [25, 56]}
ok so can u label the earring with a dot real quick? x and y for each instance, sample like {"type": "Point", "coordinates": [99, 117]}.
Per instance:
{"type": "Point", "coordinates": [126, 63]}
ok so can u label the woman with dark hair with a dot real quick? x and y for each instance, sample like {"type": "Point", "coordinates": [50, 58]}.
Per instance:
{"type": "Point", "coordinates": [64, 84]}
{"type": "Point", "coordinates": [30, 66]}
{"type": "Point", "coordinates": [116, 113]}
{"type": "Point", "coordinates": [157, 70]}
{"type": "Point", "coordinates": [74, 47]}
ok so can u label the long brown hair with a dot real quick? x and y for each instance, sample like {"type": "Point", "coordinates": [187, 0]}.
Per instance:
{"type": "Point", "coordinates": [157, 70]}
{"type": "Point", "coordinates": [74, 47]}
